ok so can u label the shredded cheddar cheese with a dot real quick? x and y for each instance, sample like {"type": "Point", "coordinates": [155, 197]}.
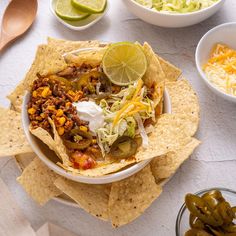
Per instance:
{"type": "Point", "coordinates": [132, 106]}
{"type": "Point", "coordinates": [139, 87]}
{"type": "Point", "coordinates": [221, 68]}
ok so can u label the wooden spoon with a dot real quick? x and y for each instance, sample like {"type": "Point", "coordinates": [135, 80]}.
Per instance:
{"type": "Point", "coordinates": [18, 17]}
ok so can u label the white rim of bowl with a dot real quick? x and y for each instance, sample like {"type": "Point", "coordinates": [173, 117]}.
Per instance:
{"type": "Point", "coordinates": [198, 63]}
{"type": "Point", "coordinates": [84, 27]}
{"type": "Point", "coordinates": [177, 14]}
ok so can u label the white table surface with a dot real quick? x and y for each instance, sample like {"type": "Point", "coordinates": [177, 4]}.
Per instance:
{"type": "Point", "coordinates": [213, 164]}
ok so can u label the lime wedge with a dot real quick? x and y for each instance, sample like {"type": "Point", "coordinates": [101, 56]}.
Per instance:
{"type": "Point", "coordinates": [66, 11]}
{"type": "Point", "coordinates": [124, 63]}
{"type": "Point", "coordinates": [90, 6]}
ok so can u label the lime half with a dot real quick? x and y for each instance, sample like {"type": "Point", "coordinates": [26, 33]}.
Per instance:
{"type": "Point", "coordinates": [66, 11]}
{"type": "Point", "coordinates": [124, 63]}
{"type": "Point", "coordinates": [90, 6]}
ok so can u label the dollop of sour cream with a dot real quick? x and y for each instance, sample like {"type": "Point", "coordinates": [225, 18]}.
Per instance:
{"type": "Point", "coordinates": [91, 112]}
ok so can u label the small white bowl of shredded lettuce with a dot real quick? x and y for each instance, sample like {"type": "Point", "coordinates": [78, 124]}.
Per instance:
{"type": "Point", "coordinates": [173, 13]}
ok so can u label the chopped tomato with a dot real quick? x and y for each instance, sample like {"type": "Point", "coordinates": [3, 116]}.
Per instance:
{"type": "Point", "coordinates": [82, 161]}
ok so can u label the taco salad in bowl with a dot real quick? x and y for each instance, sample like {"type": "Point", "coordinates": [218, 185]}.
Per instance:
{"type": "Point", "coordinates": [101, 107]}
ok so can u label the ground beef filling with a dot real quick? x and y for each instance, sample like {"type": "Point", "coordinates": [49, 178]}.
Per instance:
{"type": "Point", "coordinates": [52, 98]}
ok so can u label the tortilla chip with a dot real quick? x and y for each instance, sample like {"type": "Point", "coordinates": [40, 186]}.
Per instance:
{"type": "Point", "coordinates": [16, 97]}
{"type": "Point", "coordinates": [92, 198]}
{"type": "Point", "coordinates": [38, 181]}
{"type": "Point", "coordinates": [154, 76]}
{"type": "Point", "coordinates": [184, 101]}
{"type": "Point", "coordinates": [47, 61]}
{"type": "Point", "coordinates": [64, 46]}
{"type": "Point", "coordinates": [44, 136]}
{"type": "Point", "coordinates": [104, 169]}
{"type": "Point", "coordinates": [169, 135]}
{"type": "Point", "coordinates": [165, 166]}
{"type": "Point", "coordinates": [12, 138]}
{"type": "Point", "coordinates": [60, 148]}
{"type": "Point", "coordinates": [188, 123]}
{"type": "Point", "coordinates": [55, 143]}
{"type": "Point", "coordinates": [172, 73]}
{"type": "Point", "coordinates": [92, 58]}
{"type": "Point", "coordinates": [130, 197]}
{"type": "Point", "coordinates": [23, 160]}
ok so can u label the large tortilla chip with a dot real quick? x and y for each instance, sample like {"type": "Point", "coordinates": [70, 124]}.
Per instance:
{"type": "Point", "coordinates": [172, 73]}
{"type": "Point", "coordinates": [23, 160]}
{"type": "Point", "coordinates": [38, 181]}
{"type": "Point", "coordinates": [187, 123]}
{"type": "Point", "coordinates": [169, 135]}
{"type": "Point", "coordinates": [154, 76]}
{"type": "Point", "coordinates": [44, 136]}
{"type": "Point", "coordinates": [154, 73]}
{"type": "Point", "coordinates": [47, 61]}
{"type": "Point", "coordinates": [92, 198]}
{"type": "Point", "coordinates": [184, 101]}
{"type": "Point", "coordinates": [64, 46]}
{"type": "Point", "coordinates": [130, 197]}
{"type": "Point", "coordinates": [92, 58]}
{"type": "Point", "coordinates": [60, 148]}
{"type": "Point", "coordinates": [101, 170]}
{"type": "Point", "coordinates": [16, 97]}
{"type": "Point", "coordinates": [54, 143]}
{"type": "Point", "coordinates": [165, 166]}
{"type": "Point", "coordinates": [12, 138]}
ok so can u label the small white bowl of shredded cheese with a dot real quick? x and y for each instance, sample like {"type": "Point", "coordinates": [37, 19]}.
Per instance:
{"type": "Point", "coordinates": [172, 13]}
{"type": "Point", "coordinates": [216, 60]}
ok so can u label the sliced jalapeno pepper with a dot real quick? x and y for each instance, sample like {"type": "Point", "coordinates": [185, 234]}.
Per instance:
{"type": "Point", "coordinates": [215, 231]}
{"type": "Point", "coordinates": [85, 81]}
{"type": "Point", "coordinates": [197, 232]}
{"type": "Point", "coordinates": [213, 198]}
{"type": "Point", "coordinates": [210, 214]}
{"type": "Point", "coordinates": [234, 211]}
{"type": "Point", "coordinates": [195, 222]}
{"type": "Point", "coordinates": [75, 143]}
{"type": "Point", "coordinates": [123, 147]}
{"type": "Point", "coordinates": [225, 211]}
{"type": "Point", "coordinates": [66, 82]}
{"type": "Point", "coordinates": [231, 228]}
{"type": "Point", "coordinates": [198, 207]}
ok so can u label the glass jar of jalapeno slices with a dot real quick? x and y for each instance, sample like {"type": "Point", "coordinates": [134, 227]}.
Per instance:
{"type": "Point", "coordinates": [211, 212]}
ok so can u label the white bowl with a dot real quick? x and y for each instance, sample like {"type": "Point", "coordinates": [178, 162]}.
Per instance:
{"type": "Point", "coordinates": [82, 24]}
{"type": "Point", "coordinates": [50, 159]}
{"type": "Point", "coordinates": [225, 34]}
{"type": "Point", "coordinates": [171, 20]}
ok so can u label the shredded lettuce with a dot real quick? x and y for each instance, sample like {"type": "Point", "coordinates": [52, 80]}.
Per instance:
{"type": "Point", "coordinates": [131, 127]}
{"type": "Point", "coordinates": [125, 114]}
{"type": "Point", "coordinates": [142, 130]}
{"type": "Point", "coordinates": [108, 135]}
{"type": "Point", "coordinates": [146, 3]}
{"type": "Point", "coordinates": [177, 6]}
